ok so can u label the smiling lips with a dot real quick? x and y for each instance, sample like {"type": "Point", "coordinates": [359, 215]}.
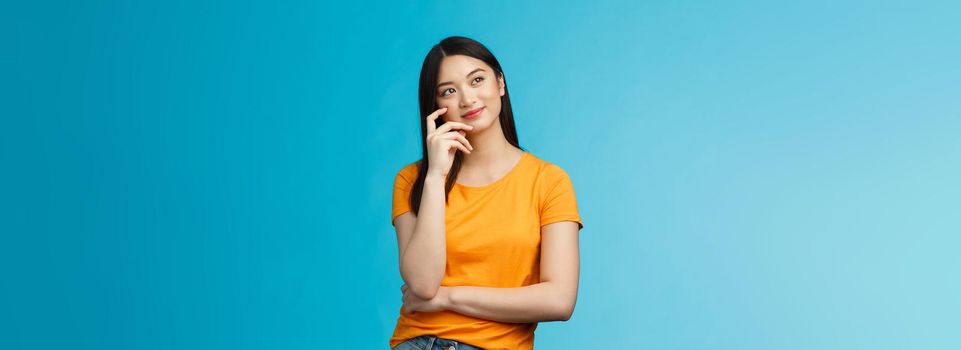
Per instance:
{"type": "Point", "coordinates": [473, 114]}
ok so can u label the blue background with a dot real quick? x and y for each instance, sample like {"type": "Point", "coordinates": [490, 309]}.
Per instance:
{"type": "Point", "coordinates": [217, 175]}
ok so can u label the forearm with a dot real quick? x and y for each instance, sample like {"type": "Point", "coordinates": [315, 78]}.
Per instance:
{"type": "Point", "coordinates": [545, 301]}
{"type": "Point", "coordinates": [425, 257]}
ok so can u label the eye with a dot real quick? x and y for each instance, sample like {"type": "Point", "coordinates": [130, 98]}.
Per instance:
{"type": "Point", "coordinates": [478, 78]}
{"type": "Point", "coordinates": [446, 92]}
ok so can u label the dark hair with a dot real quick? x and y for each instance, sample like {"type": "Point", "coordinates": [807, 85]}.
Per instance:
{"type": "Point", "coordinates": [454, 45]}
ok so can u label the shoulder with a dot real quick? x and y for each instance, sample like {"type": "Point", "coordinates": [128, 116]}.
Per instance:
{"type": "Point", "coordinates": [409, 171]}
{"type": "Point", "coordinates": [545, 169]}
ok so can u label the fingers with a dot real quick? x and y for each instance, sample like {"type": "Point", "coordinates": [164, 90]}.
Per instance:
{"type": "Point", "coordinates": [431, 119]}
{"type": "Point", "coordinates": [455, 143]}
{"type": "Point", "coordinates": [405, 300]}
{"type": "Point", "coordinates": [458, 137]}
{"type": "Point", "coordinates": [454, 140]}
{"type": "Point", "coordinates": [448, 126]}
{"type": "Point", "coordinates": [450, 135]}
{"type": "Point", "coordinates": [463, 141]}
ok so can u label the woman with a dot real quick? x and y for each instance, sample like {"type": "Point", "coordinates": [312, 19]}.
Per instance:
{"type": "Point", "coordinates": [487, 232]}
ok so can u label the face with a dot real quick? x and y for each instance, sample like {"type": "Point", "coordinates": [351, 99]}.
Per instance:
{"type": "Point", "coordinates": [466, 84]}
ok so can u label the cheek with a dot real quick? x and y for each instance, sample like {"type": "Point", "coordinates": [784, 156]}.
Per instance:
{"type": "Point", "coordinates": [490, 92]}
{"type": "Point", "coordinates": [492, 99]}
{"type": "Point", "coordinates": [450, 110]}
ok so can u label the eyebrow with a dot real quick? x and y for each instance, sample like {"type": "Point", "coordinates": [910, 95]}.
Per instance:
{"type": "Point", "coordinates": [468, 74]}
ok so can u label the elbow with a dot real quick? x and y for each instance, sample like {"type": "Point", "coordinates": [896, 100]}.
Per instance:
{"type": "Point", "coordinates": [563, 311]}
{"type": "Point", "coordinates": [561, 304]}
{"type": "Point", "coordinates": [424, 291]}
{"type": "Point", "coordinates": [422, 285]}
{"type": "Point", "coordinates": [566, 313]}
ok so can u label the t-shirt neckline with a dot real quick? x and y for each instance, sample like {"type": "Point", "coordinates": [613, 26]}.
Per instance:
{"type": "Point", "coordinates": [510, 173]}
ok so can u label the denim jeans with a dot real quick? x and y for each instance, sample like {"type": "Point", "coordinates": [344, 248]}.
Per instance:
{"type": "Point", "coordinates": [430, 342]}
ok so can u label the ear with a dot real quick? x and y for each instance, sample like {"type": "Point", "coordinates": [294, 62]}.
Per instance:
{"type": "Point", "coordinates": [500, 81]}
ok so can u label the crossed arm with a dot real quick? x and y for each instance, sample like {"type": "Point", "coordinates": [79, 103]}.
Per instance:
{"type": "Point", "coordinates": [552, 299]}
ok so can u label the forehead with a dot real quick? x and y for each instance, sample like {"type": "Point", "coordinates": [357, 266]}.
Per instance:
{"type": "Point", "coordinates": [456, 67]}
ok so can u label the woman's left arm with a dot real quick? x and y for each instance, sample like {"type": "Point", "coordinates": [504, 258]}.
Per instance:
{"type": "Point", "coordinates": [552, 299]}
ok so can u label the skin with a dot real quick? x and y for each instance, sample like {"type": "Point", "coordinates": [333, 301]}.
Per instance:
{"type": "Point", "coordinates": [467, 83]}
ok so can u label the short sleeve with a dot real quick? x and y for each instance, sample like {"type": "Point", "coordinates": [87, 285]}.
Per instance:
{"type": "Point", "coordinates": [403, 183]}
{"type": "Point", "coordinates": [558, 202]}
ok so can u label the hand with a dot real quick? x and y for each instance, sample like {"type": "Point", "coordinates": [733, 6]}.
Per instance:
{"type": "Point", "coordinates": [412, 303]}
{"type": "Point", "coordinates": [443, 142]}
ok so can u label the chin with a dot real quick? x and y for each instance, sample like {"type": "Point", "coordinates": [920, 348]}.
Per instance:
{"type": "Point", "coordinates": [482, 123]}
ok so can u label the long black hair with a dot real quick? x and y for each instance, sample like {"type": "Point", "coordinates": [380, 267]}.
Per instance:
{"type": "Point", "coordinates": [454, 45]}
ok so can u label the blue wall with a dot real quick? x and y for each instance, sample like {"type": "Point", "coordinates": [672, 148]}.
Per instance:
{"type": "Point", "coordinates": [217, 175]}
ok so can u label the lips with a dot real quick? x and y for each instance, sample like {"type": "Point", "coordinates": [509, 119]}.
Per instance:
{"type": "Point", "coordinates": [474, 113]}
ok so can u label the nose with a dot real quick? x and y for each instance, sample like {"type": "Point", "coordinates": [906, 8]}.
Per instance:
{"type": "Point", "coordinates": [467, 98]}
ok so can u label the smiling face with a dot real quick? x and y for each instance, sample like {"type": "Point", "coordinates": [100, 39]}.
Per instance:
{"type": "Point", "coordinates": [466, 84]}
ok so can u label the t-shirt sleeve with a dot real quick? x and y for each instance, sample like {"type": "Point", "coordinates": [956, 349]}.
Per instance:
{"type": "Point", "coordinates": [403, 183]}
{"type": "Point", "coordinates": [558, 202]}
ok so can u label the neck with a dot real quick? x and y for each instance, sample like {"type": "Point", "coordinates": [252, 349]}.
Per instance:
{"type": "Point", "coordinates": [490, 147]}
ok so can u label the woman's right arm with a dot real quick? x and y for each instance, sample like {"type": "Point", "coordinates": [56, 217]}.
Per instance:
{"type": "Point", "coordinates": [422, 238]}
{"type": "Point", "coordinates": [423, 243]}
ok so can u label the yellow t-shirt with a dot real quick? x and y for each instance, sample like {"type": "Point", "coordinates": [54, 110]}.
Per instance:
{"type": "Point", "coordinates": [493, 240]}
